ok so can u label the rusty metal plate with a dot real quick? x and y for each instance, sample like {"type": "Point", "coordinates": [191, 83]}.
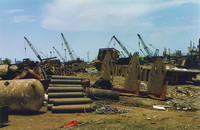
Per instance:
{"type": "Point", "coordinates": [107, 67]}
{"type": "Point", "coordinates": [156, 77]}
{"type": "Point", "coordinates": [132, 79]}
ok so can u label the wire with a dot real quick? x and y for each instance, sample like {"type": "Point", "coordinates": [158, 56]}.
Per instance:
{"type": "Point", "coordinates": [25, 46]}
{"type": "Point", "coordinates": [44, 56]}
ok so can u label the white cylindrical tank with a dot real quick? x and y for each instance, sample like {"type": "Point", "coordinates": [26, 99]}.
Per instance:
{"type": "Point", "coordinates": [22, 95]}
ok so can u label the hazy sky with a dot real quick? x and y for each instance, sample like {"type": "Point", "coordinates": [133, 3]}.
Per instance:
{"type": "Point", "coordinates": [89, 24]}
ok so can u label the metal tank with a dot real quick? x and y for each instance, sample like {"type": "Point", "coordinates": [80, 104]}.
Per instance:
{"type": "Point", "coordinates": [22, 95]}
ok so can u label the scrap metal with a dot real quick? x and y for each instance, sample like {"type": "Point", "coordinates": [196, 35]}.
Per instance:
{"type": "Point", "coordinates": [156, 86]}
{"type": "Point", "coordinates": [132, 79]}
{"type": "Point", "coordinates": [22, 94]}
{"type": "Point", "coordinates": [96, 93]}
{"type": "Point", "coordinates": [107, 67]}
{"type": "Point", "coordinates": [67, 94]}
{"type": "Point", "coordinates": [73, 108]}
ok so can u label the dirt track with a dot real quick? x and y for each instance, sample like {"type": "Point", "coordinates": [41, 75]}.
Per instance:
{"type": "Point", "coordinates": [140, 115]}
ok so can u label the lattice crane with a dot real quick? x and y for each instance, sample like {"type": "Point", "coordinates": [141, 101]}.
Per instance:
{"type": "Point", "coordinates": [147, 50]}
{"type": "Point", "coordinates": [59, 54]}
{"type": "Point", "coordinates": [33, 49]}
{"type": "Point", "coordinates": [71, 54]}
{"type": "Point", "coordinates": [121, 45]}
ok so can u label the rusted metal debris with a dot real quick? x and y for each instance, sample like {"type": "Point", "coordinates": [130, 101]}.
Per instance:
{"type": "Point", "coordinates": [103, 83]}
{"type": "Point", "coordinates": [73, 108]}
{"type": "Point", "coordinates": [21, 95]}
{"type": "Point", "coordinates": [173, 75]}
{"type": "Point", "coordinates": [132, 79]}
{"type": "Point", "coordinates": [27, 73]}
{"type": "Point", "coordinates": [67, 94]}
{"type": "Point", "coordinates": [70, 101]}
{"type": "Point", "coordinates": [156, 85]}
{"type": "Point", "coordinates": [107, 67]}
{"type": "Point", "coordinates": [96, 93]}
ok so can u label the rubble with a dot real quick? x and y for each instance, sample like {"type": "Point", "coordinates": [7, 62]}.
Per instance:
{"type": "Point", "coordinates": [185, 98]}
{"type": "Point", "coordinates": [109, 110]}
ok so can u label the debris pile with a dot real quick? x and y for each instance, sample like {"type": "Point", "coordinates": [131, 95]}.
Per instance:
{"type": "Point", "coordinates": [109, 110]}
{"type": "Point", "coordinates": [185, 98]}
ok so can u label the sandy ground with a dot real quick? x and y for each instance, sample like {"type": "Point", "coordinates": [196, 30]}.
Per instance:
{"type": "Point", "coordinates": [140, 114]}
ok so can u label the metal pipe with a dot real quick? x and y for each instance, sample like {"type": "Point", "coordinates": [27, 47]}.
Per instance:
{"type": "Point", "coordinates": [65, 81]}
{"type": "Point", "coordinates": [72, 108]}
{"type": "Point", "coordinates": [65, 77]}
{"type": "Point", "coordinates": [68, 101]}
{"type": "Point", "coordinates": [21, 95]}
{"type": "Point", "coordinates": [49, 107]}
{"type": "Point", "coordinates": [65, 89]}
{"type": "Point", "coordinates": [65, 85]}
{"type": "Point", "coordinates": [95, 93]}
{"type": "Point", "coordinates": [66, 94]}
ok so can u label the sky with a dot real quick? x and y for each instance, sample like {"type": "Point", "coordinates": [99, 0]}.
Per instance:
{"type": "Point", "coordinates": [88, 25]}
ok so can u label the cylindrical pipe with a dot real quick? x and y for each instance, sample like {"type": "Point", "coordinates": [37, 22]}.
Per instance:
{"type": "Point", "coordinates": [65, 81]}
{"type": "Point", "coordinates": [65, 85]}
{"type": "Point", "coordinates": [68, 101]}
{"type": "Point", "coordinates": [65, 77]}
{"type": "Point", "coordinates": [102, 94]}
{"type": "Point", "coordinates": [65, 89]}
{"type": "Point", "coordinates": [22, 95]}
{"type": "Point", "coordinates": [66, 94]}
{"type": "Point", "coordinates": [49, 107]}
{"type": "Point", "coordinates": [72, 108]}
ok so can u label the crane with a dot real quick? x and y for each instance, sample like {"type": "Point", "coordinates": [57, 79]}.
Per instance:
{"type": "Point", "coordinates": [141, 49]}
{"type": "Point", "coordinates": [121, 45]}
{"type": "Point", "coordinates": [34, 50]}
{"type": "Point", "coordinates": [59, 54]}
{"type": "Point", "coordinates": [148, 51]}
{"type": "Point", "coordinates": [156, 53]}
{"type": "Point", "coordinates": [68, 48]}
{"type": "Point", "coordinates": [123, 54]}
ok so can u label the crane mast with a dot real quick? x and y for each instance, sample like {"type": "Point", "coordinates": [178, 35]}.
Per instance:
{"type": "Point", "coordinates": [59, 54]}
{"type": "Point", "coordinates": [33, 49]}
{"type": "Point", "coordinates": [121, 45]}
{"type": "Point", "coordinates": [148, 51]}
{"type": "Point", "coordinates": [68, 48]}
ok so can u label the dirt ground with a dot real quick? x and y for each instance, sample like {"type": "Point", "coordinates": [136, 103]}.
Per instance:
{"type": "Point", "coordinates": [137, 113]}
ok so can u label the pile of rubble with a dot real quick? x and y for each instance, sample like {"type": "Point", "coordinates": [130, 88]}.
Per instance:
{"type": "Point", "coordinates": [185, 97]}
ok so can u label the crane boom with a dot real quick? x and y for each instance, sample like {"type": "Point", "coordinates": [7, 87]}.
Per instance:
{"type": "Point", "coordinates": [68, 48]}
{"type": "Point", "coordinates": [141, 49]}
{"type": "Point", "coordinates": [33, 49]}
{"type": "Point", "coordinates": [59, 54]}
{"type": "Point", "coordinates": [121, 45]}
{"type": "Point", "coordinates": [148, 51]}
{"type": "Point", "coordinates": [156, 53]}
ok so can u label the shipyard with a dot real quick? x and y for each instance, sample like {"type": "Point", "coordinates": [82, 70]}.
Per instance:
{"type": "Point", "coordinates": [88, 65]}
